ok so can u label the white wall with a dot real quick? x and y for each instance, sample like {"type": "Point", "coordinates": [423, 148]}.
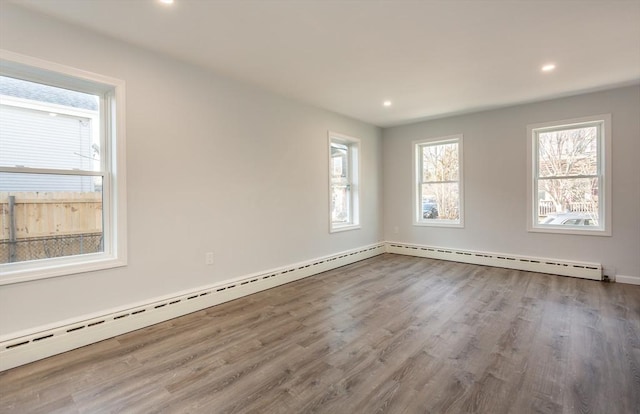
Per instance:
{"type": "Point", "coordinates": [213, 165]}
{"type": "Point", "coordinates": [495, 182]}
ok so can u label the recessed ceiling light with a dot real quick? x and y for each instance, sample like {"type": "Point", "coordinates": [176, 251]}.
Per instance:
{"type": "Point", "coordinates": [386, 103]}
{"type": "Point", "coordinates": [548, 67]}
{"type": "Point", "coordinates": [166, 1]}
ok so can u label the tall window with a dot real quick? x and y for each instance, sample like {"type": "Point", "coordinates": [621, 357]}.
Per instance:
{"type": "Point", "coordinates": [344, 182]}
{"type": "Point", "coordinates": [569, 176]}
{"type": "Point", "coordinates": [61, 170]}
{"type": "Point", "coordinates": [438, 182]}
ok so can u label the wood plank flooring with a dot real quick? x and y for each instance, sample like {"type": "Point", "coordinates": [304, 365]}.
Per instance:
{"type": "Point", "coordinates": [391, 334]}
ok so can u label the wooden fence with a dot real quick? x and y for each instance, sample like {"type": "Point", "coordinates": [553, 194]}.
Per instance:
{"type": "Point", "coordinates": [35, 225]}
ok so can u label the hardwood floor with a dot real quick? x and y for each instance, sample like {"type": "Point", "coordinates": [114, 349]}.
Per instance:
{"type": "Point", "coordinates": [392, 334]}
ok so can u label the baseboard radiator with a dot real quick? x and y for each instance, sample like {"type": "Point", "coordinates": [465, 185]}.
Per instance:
{"type": "Point", "coordinates": [44, 343]}
{"type": "Point", "coordinates": [531, 264]}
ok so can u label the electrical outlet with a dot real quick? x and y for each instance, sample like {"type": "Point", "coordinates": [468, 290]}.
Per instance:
{"type": "Point", "coordinates": [396, 230]}
{"type": "Point", "coordinates": [208, 258]}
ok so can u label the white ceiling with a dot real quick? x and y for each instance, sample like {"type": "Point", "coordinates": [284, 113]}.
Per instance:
{"type": "Point", "coordinates": [430, 58]}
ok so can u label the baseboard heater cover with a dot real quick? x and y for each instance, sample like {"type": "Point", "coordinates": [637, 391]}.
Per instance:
{"type": "Point", "coordinates": [531, 264]}
{"type": "Point", "coordinates": [27, 348]}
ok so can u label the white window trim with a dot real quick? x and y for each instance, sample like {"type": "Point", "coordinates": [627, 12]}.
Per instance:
{"type": "Point", "coordinates": [417, 202]}
{"type": "Point", "coordinates": [604, 168]}
{"type": "Point", "coordinates": [114, 206]}
{"type": "Point", "coordinates": [356, 180]}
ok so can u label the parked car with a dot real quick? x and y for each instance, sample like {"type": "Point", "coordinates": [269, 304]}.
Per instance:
{"type": "Point", "coordinates": [572, 219]}
{"type": "Point", "coordinates": [429, 210]}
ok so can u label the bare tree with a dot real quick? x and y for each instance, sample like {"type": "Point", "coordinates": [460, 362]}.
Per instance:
{"type": "Point", "coordinates": [567, 168]}
{"type": "Point", "coordinates": [440, 179]}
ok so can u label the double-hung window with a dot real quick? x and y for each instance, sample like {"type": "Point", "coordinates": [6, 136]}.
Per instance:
{"type": "Point", "coordinates": [438, 182]}
{"type": "Point", "coordinates": [62, 170]}
{"type": "Point", "coordinates": [344, 182]}
{"type": "Point", "coordinates": [569, 176]}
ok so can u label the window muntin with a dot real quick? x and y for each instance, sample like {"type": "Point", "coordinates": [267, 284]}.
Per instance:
{"type": "Point", "coordinates": [343, 182]}
{"type": "Point", "coordinates": [438, 191]}
{"type": "Point", "coordinates": [568, 176]}
{"type": "Point", "coordinates": [62, 175]}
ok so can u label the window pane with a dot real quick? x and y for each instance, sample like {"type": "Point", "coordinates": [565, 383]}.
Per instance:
{"type": "Point", "coordinates": [568, 152]}
{"type": "Point", "coordinates": [344, 212]}
{"type": "Point", "coordinates": [568, 201]}
{"type": "Point", "coordinates": [45, 216]}
{"type": "Point", "coordinates": [441, 201]}
{"type": "Point", "coordinates": [47, 127]}
{"type": "Point", "coordinates": [340, 186]}
{"type": "Point", "coordinates": [340, 210]}
{"type": "Point", "coordinates": [440, 162]}
{"type": "Point", "coordinates": [339, 161]}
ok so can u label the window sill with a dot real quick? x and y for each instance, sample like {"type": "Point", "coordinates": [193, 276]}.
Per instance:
{"type": "Point", "coordinates": [443, 223]}
{"type": "Point", "coordinates": [346, 227]}
{"type": "Point", "coordinates": [21, 272]}
{"type": "Point", "coordinates": [569, 231]}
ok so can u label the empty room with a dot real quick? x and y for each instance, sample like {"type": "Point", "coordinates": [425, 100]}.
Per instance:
{"type": "Point", "coordinates": [219, 206]}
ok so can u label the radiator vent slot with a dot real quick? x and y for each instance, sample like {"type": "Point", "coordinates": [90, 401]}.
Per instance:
{"type": "Point", "coordinates": [17, 345]}
{"type": "Point", "coordinates": [77, 328]}
{"type": "Point", "coordinates": [42, 337]}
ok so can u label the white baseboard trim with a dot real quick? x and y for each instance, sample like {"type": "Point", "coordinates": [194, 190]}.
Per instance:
{"type": "Point", "coordinates": [51, 340]}
{"type": "Point", "coordinates": [631, 280]}
{"type": "Point", "coordinates": [531, 264]}
{"type": "Point", "coordinates": [25, 347]}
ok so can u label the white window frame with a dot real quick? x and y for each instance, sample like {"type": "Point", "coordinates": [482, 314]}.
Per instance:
{"type": "Point", "coordinates": [113, 167]}
{"type": "Point", "coordinates": [418, 220]}
{"type": "Point", "coordinates": [603, 174]}
{"type": "Point", "coordinates": [353, 148]}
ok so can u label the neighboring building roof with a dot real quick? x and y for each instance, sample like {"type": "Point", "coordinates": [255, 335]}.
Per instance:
{"type": "Point", "coordinates": [44, 93]}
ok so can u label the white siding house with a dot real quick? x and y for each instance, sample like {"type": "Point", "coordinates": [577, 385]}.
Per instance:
{"type": "Point", "coordinates": [62, 134]}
